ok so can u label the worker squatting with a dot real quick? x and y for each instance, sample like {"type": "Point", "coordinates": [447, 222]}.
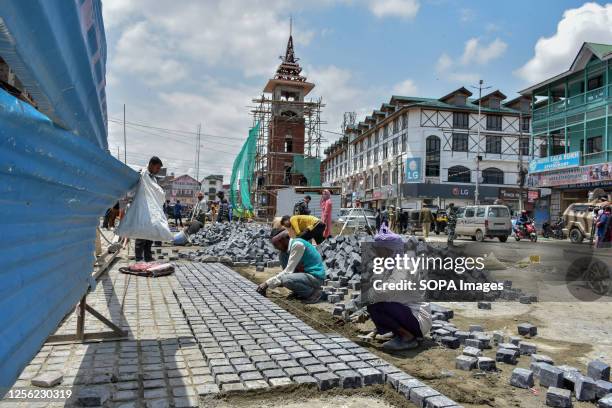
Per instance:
{"type": "Point", "coordinates": [412, 264]}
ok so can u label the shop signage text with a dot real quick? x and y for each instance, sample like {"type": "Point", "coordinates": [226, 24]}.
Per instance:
{"type": "Point", "coordinates": [414, 170]}
{"type": "Point", "coordinates": [577, 175]}
{"type": "Point", "coordinates": [560, 161]}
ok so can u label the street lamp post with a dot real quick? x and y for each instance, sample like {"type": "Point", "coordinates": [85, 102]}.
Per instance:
{"type": "Point", "coordinates": [477, 190]}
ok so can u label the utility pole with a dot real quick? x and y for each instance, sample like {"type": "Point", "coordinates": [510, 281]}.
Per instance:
{"type": "Point", "coordinates": [398, 170]}
{"type": "Point", "coordinates": [521, 172]}
{"type": "Point", "coordinates": [124, 138]}
{"type": "Point", "coordinates": [477, 190]}
{"type": "Point", "coordinates": [198, 157]}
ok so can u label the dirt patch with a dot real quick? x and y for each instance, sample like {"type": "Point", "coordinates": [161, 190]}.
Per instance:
{"type": "Point", "coordinates": [436, 365]}
{"type": "Point", "coordinates": [310, 397]}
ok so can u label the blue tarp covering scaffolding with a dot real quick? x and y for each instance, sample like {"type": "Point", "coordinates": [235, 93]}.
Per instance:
{"type": "Point", "coordinates": [56, 174]}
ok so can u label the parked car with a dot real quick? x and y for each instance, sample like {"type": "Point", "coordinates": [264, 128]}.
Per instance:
{"type": "Point", "coordinates": [356, 219]}
{"type": "Point", "coordinates": [578, 220]}
{"type": "Point", "coordinates": [484, 221]}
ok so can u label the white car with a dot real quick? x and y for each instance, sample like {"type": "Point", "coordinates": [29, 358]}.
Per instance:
{"type": "Point", "coordinates": [356, 217]}
{"type": "Point", "coordinates": [484, 221]}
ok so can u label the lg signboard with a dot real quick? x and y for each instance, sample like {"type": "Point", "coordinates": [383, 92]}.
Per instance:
{"type": "Point", "coordinates": [414, 170]}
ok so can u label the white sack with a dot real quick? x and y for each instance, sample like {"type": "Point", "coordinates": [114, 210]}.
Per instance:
{"type": "Point", "coordinates": [145, 219]}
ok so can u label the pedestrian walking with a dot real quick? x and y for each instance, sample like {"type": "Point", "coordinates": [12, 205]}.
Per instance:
{"type": "Point", "coordinates": [604, 228]}
{"type": "Point", "coordinates": [378, 219]}
{"type": "Point", "coordinates": [451, 223]}
{"type": "Point", "coordinates": [223, 214]}
{"type": "Point", "coordinates": [178, 208]}
{"type": "Point", "coordinates": [426, 218]}
{"type": "Point", "coordinates": [326, 213]}
{"type": "Point", "coordinates": [142, 247]}
{"type": "Point", "coordinates": [199, 210]}
{"type": "Point", "coordinates": [392, 224]}
{"type": "Point", "coordinates": [301, 207]}
{"type": "Point", "coordinates": [384, 216]}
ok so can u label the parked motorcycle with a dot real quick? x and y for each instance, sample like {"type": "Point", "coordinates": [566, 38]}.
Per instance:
{"type": "Point", "coordinates": [554, 230]}
{"type": "Point", "coordinates": [526, 231]}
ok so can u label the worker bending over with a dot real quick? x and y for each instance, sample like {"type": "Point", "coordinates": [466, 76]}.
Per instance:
{"type": "Point", "coordinates": [307, 227]}
{"type": "Point", "coordinates": [306, 286]}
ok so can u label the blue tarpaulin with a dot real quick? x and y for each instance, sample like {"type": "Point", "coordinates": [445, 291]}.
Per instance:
{"type": "Point", "coordinates": [56, 175]}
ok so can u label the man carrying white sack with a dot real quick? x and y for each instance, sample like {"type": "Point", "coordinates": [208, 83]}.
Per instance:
{"type": "Point", "coordinates": [145, 220]}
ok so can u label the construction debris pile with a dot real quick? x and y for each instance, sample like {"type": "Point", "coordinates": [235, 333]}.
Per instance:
{"type": "Point", "coordinates": [240, 244]}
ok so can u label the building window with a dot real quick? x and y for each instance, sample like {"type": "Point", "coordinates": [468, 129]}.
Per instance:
{"type": "Point", "coordinates": [594, 83]}
{"type": "Point", "coordinates": [404, 142]}
{"type": "Point", "coordinates": [376, 155]}
{"type": "Point", "coordinates": [524, 124]}
{"type": "Point", "coordinates": [376, 138]}
{"type": "Point", "coordinates": [395, 125]}
{"type": "Point", "coordinates": [492, 176]}
{"type": "Point", "coordinates": [355, 164]}
{"type": "Point", "coordinates": [461, 120]}
{"type": "Point", "coordinates": [493, 144]}
{"type": "Point", "coordinates": [376, 180]}
{"type": "Point", "coordinates": [404, 121]}
{"type": "Point", "coordinates": [368, 182]}
{"type": "Point", "coordinates": [594, 144]}
{"type": "Point", "coordinates": [394, 176]}
{"type": "Point", "coordinates": [385, 131]}
{"type": "Point", "coordinates": [460, 142]}
{"type": "Point", "coordinates": [459, 174]}
{"type": "Point", "coordinates": [385, 178]}
{"type": "Point", "coordinates": [395, 144]}
{"type": "Point", "coordinates": [385, 150]}
{"type": "Point", "coordinates": [432, 156]}
{"type": "Point", "coordinates": [369, 141]}
{"type": "Point", "coordinates": [355, 148]}
{"type": "Point", "coordinates": [288, 145]}
{"type": "Point", "coordinates": [494, 122]}
{"type": "Point", "coordinates": [361, 162]}
{"type": "Point", "coordinates": [361, 146]}
{"type": "Point", "coordinates": [369, 158]}
{"type": "Point", "coordinates": [524, 146]}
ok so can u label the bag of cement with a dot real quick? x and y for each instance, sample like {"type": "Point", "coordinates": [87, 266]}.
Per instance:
{"type": "Point", "coordinates": [145, 219]}
{"type": "Point", "coordinates": [180, 238]}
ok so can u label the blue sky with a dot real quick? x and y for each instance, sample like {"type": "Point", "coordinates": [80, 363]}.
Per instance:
{"type": "Point", "coordinates": [176, 64]}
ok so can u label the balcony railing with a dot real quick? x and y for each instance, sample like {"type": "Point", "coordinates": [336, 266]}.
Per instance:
{"type": "Point", "coordinates": [575, 101]}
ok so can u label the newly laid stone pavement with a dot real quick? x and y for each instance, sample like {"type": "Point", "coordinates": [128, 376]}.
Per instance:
{"type": "Point", "coordinates": [198, 332]}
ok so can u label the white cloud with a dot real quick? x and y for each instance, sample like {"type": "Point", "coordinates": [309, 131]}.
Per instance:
{"type": "Point", "coordinates": [445, 62]}
{"type": "Point", "coordinates": [405, 88]}
{"type": "Point", "coordinates": [467, 15]}
{"type": "Point", "coordinates": [591, 22]}
{"type": "Point", "coordinates": [476, 52]}
{"type": "Point", "coordinates": [395, 8]}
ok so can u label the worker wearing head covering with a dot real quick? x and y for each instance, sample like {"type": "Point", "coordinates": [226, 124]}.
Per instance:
{"type": "Point", "coordinates": [326, 212]}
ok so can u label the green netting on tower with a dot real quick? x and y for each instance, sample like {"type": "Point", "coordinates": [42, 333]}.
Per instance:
{"type": "Point", "coordinates": [242, 176]}
{"type": "Point", "coordinates": [309, 167]}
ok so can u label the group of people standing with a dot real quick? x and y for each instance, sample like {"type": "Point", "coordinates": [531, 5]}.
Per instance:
{"type": "Point", "coordinates": [219, 210]}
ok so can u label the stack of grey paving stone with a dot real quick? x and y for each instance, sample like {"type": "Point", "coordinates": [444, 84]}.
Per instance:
{"type": "Point", "coordinates": [235, 243]}
{"type": "Point", "coordinates": [342, 257]}
{"type": "Point", "coordinates": [250, 342]}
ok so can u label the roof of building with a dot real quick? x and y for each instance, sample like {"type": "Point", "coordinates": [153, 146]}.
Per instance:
{"type": "Point", "coordinates": [496, 92]}
{"type": "Point", "coordinates": [587, 50]}
{"type": "Point", "coordinates": [462, 91]}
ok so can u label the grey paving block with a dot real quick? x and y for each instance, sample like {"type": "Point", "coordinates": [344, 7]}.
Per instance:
{"type": "Point", "coordinates": [93, 396]}
{"type": "Point", "coordinates": [47, 379]}
{"type": "Point", "coordinates": [603, 388]}
{"type": "Point", "coordinates": [327, 380]}
{"type": "Point", "coordinates": [450, 342]}
{"type": "Point", "coordinates": [251, 376]}
{"type": "Point", "coordinates": [585, 388]}
{"type": "Point", "coordinates": [527, 329]}
{"type": "Point", "coordinates": [475, 328]}
{"type": "Point", "coordinates": [521, 378]}
{"type": "Point", "coordinates": [349, 379]}
{"type": "Point", "coordinates": [315, 369]}
{"type": "Point", "coordinates": [605, 402]}
{"type": "Point", "coordinates": [486, 364]}
{"type": "Point", "coordinates": [305, 379]}
{"type": "Point", "coordinates": [295, 371]}
{"type": "Point", "coordinates": [280, 382]}
{"type": "Point", "coordinates": [405, 386]}
{"type": "Point", "coordinates": [527, 348]}
{"type": "Point", "coordinates": [466, 363]}
{"type": "Point", "coordinates": [393, 379]}
{"type": "Point", "coordinates": [542, 358]}
{"type": "Point", "coordinates": [598, 370]}
{"type": "Point", "coordinates": [440, 401]}
{"type": "Point", "coordinates": [506, 356]}
{"type": "Point", "coordinates": [558, 397]}
{"type": "Point", "coordinates": [419, 396]}
{"type": "Point", "coordinates": [472, 343]}
{"type": "Point", "coordinates": [550, 376]}
{"type": "Point", "coordinates": [232, 387]}
{"type": "Point", "coordinates": [370, 376]}
{"type": "Point", "coordinates": [256, 385]}
{"type": "Point", "coordinates": [509, 346]}
{"type": "Point", "coordinates": [207, 389]}
{"type": "Point", "coordinates": [472, 351]}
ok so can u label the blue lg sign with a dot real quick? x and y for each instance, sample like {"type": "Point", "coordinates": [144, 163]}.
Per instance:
{"type": "Point", "coordinates": [414, 172]}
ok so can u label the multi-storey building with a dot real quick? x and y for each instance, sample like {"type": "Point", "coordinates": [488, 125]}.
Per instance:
{"type": "Point", "coordinates": [212, 184]}
{"type": "Point", "coordinates": [183, 188]}
{"type": "Point", "coordinates": [572, 130]}
{"type": "Point", "coordinates": [414, 151]}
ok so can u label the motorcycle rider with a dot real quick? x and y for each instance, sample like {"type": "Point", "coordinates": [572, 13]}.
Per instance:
{"type": "Point", "coordinates": [522, 220]}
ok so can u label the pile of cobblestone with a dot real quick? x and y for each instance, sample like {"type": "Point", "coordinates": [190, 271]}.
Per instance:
{"type": "Point", "coordinates": [235, 243]}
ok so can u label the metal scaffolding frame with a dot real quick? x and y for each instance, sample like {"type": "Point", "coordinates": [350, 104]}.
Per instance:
{"type": "Point", "coordinates": [261, 112]}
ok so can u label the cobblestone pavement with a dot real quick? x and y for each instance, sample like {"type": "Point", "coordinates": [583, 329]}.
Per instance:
{"type": "Point", "coordinates": [198, 332]}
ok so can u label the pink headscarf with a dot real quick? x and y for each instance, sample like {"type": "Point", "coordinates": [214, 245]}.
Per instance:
{"type": "Point", "coordinates": [325, 195]}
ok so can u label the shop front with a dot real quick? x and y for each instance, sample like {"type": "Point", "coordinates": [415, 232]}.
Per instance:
{"type": "Point", "coordinates": [419, 194]}
{"type": "Point", "coordinates": [574, 185]}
